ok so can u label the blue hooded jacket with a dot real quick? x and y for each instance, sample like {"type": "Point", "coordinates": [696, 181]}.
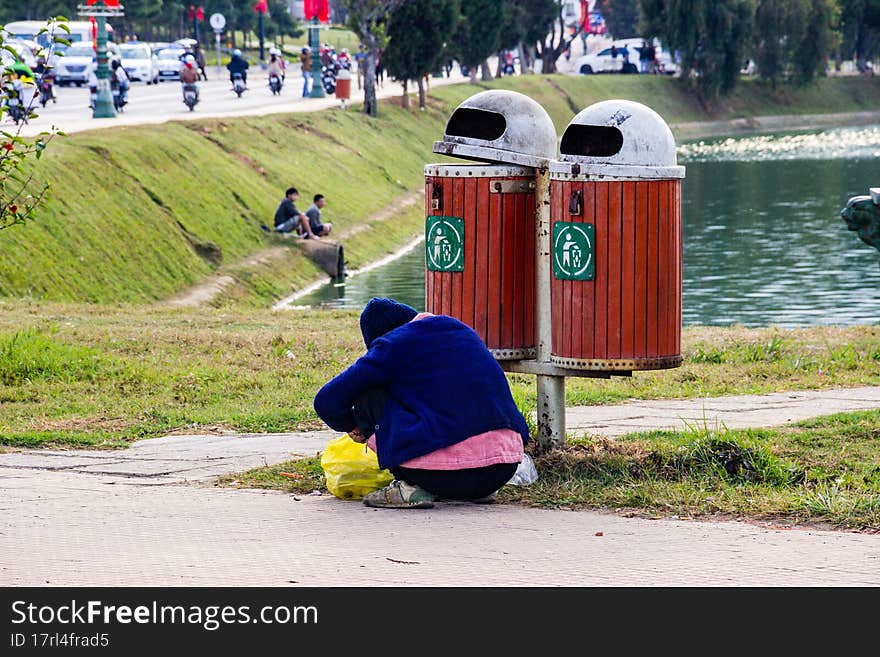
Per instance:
{"type": "Point", "coordinates": [443, 387]}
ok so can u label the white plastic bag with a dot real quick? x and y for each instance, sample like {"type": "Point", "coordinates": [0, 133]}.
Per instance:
{"type": "Point", "coordinates": [526, 473]}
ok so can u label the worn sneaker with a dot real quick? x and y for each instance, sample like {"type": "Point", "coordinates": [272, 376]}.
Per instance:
{"type": "Point", "coordinates": [400, 495]}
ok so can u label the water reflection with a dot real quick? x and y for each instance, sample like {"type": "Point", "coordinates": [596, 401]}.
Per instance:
{"type": "Point", "coordinates": [763, 242]}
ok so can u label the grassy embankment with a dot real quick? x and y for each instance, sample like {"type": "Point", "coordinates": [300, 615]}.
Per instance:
{"type": "Point", "coordinates": [136, 212]}
{"type": "Point", "coordinates": [93, 375]}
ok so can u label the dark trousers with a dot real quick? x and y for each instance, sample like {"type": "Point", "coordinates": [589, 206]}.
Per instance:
{"type": "Point", "coordinates": [465, 484]}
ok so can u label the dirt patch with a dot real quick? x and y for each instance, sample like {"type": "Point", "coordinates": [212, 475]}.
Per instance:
{"type": "Point", "coordinates": [81, 424]}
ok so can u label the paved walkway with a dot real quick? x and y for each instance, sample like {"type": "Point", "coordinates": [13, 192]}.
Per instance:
{"type": "Point", "coordinates": [148, 515]}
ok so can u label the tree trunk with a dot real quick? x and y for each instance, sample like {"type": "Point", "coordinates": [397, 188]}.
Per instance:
{"type": "Point", "coordinates": [472, 71]}
{"type": "Point", "coordinates": [498, 71]}
{"type": "Point", "coordinates": [527, 58]}
{"type": "Point", "coordinates": [486, 71]}
{"type": "Point", "coordinates": [370, 108]}
{"type": "Point", "coordinates": [406, 94]}
{"type": "Point", "coordinates": [422, 102]}
{"type": "Point", "coordinates": [548, 60]}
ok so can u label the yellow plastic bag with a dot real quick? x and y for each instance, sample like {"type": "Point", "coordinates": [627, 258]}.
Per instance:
{"type": "Point", "coordinates": [352, 469]}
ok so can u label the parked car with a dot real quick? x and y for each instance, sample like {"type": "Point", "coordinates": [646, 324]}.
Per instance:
{"type": "Point", "coordinates": [603, 62]}
{"type": "Point", "coordinates": [140, 62]}
{"type": "Point", "coordinates": [169, 63]}
{"type": "Point", "coordinates": [23, 52]}
{"type": "Point", "coordinates": [73, 65]}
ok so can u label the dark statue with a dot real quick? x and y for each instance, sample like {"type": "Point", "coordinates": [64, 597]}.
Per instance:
{"type": "Point", "coordinates": [862, 215]}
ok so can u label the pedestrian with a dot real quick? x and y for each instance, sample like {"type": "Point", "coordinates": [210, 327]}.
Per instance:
{"type": "Point", "coordinates": [380, 72]}
{"type": "Point", "coordinates": [429, 398]}
{"type": "Point", "coordinates": [288, 219]}
{"type": "Point", "coordinates": [360, 59]}
{"type": "Point", "coordinates": [643, 57]}
{"type": "Point", "coordinates": [305, 59]}
{"type": "Point", "coordinates": [200, 60]}
{"type": "Point", "coordinates": [613, 52]}
{"type": "Point", "coordinates": [314, 215]}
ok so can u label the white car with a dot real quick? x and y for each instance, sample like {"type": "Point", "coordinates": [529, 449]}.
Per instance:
{"type": "Point", "coordinates": [73, 65]}
{"type": "Point", "coordinates": [170, 63]}
{"type": "Point", "coordinates": [140, 62]}
{"type": "Point", "coordinates": [23, 52]}
{"type": "Point", "coordinates": [604, 62]}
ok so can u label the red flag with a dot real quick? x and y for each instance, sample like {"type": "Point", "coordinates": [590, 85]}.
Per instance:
{"type": "Point", "coordinates": [261, 7]}
{"type": "Point", "coordinates": [200, 14]}
{"type": "Point", "coordinates": [319, 8]}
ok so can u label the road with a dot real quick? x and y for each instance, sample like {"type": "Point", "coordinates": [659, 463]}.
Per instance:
{"type": "Point", "coordinates": [163, 102]}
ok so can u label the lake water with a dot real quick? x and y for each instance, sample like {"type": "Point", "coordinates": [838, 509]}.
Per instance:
{"type": "Point", "coordinates": [763, 239]}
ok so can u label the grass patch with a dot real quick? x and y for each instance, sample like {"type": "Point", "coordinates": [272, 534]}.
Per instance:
{"type": "Point", "coordinates": [825, 470]}
{"type": "Point", "coordinates": [107, 375]}
{"type": "Point", "coordinates": [299, 477]}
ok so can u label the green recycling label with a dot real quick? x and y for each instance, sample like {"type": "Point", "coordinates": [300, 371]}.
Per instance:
{"type": "Point", "coordinates": [444, 243]}
{"type": "Point", "coordinates": [573, 251]}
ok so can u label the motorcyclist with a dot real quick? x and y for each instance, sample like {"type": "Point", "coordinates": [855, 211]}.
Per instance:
{"type": "Point", "coordinates": [119, 81]}
{"type": "Point", "coordinates": [237, 64]}
{"type": "Point", "coordinates": [190, 74]}
{"type": "Point", "coordinates": [275, 67]}
{"type": "Point", "coordinates": [276, 53]}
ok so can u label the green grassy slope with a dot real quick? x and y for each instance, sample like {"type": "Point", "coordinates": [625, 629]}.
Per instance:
{"type": "Point", "coordinates": [136, 212]}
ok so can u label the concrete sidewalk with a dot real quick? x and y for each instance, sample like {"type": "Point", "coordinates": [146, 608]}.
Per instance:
{"type": "Point", "coordinates": [146, 516]}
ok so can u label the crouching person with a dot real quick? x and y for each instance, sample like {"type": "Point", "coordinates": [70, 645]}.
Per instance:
{"type": "Point", "coordinates": [432, 402]}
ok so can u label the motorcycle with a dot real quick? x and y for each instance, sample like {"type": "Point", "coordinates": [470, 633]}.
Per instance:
{"type": "Point", "coordinates": [190, 95]}
{"type": "Point", "coordinates": [16, 111]}
{"type": "Point", "coordinates": [238, 84]}
{"type": "Point", "coordinates": [328, 78]}
{"type": "Point", "coordinates": [275, 84]}
{"type": "Point", "coordinates": [47, 90]}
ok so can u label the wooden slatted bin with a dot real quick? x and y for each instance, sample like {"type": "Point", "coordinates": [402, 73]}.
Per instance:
{"type": "Point", "coordinates": [480, 222]}
{"type": "Point", "coordinates": [616, 256]}
{"type": "Point", "coordinates": [479, 252]}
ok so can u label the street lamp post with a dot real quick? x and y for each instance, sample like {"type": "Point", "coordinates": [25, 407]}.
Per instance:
{"type": "Point", "coordinates": [315, 45]}
{"type": "Point", "coordinates": [101, 9]}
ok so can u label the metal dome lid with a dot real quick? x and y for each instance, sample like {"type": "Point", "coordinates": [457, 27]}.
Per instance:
{"type": "Point", "coordinates": [619, 138]}
{"type": "Point", "coordinates": [500, 126]}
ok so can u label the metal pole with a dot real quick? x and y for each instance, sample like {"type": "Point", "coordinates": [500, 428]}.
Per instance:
{"type": "Point", "coordinates": [551, 389]}
{"type": "Point", "coordinates": [104, 108]}
{"type": "Point", "coordinates": [219, 69]}
{"type": "Point", "coordinates": [315, 45]}
{"type": "Point", "coordinates": [260, 19]}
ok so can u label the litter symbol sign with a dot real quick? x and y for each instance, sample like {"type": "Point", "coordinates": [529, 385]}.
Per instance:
{"type": "Point", "coordinates": [444, 243]}
{"type": "Point", "coordinates": [573, 251]}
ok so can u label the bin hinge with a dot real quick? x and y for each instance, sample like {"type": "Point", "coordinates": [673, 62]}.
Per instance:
{"type": "Point", "coordinates": [436, 197]}
{"type": "Point", "coordinates": [512, 187]}
{"type": "Point", "coordinates": [576, 202]}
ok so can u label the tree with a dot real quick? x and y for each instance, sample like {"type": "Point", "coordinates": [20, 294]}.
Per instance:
{"type": "Point", "coordinates": [621, 16]}
{"type": "Point", "coordinates": [551, 46]}
{"type": "Point", "coordinates": [859, 29]}
{"type": "Point", "coordinates": [20, 195]}
{"type": "Point", "coordinates": [479, 32]}
{"type": "Point", "coordinates": [793, 39]}
{"type": "Point", "coordinates": [710, 37]}
{"type": "Point", "coordinates": [369, 19]}
{"type": "Point", "coordinates": [525, 23]}
{"type": "Point", "coordinates": [417, 34]}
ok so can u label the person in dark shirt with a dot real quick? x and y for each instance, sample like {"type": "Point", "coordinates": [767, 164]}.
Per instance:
{"type": "Point", "coordinates": [237, 64]}
{"type": "Point", "coordinates": [314, 215]}
{"type": "Point", "coordinates": [288, 219]}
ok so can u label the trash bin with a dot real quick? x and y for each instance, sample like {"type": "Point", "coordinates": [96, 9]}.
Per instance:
{"type": "Point", "coordinates": [615, 212]}
{"type": "Point", "coordinates": [343, 85]}
{"type": "Point", "coordinates": [480, 219]}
